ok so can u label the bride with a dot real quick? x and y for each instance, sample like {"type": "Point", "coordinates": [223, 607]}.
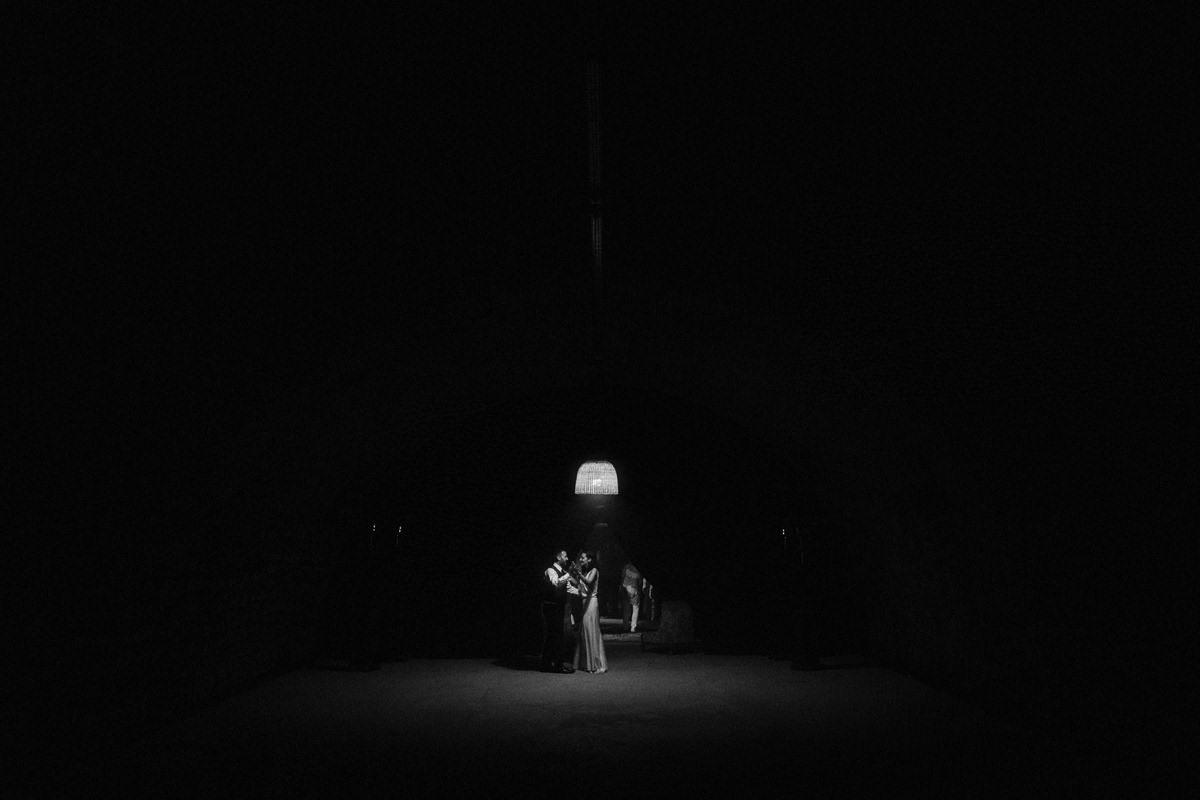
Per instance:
{"type": "Point", "coordinates": [589, 655]}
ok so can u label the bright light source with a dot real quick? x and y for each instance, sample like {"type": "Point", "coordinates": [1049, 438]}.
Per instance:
{"type": "Point", "coordinates": [596, 477]}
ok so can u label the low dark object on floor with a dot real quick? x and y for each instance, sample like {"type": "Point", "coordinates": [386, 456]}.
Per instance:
{"type": "Point", "coordinates": [676, 633]}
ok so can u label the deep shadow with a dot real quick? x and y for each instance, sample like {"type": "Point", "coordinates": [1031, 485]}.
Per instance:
{"type": "Point", "coordinates": [519, 663]}
{"type": "Point", "coordinates": [831, 663]}
{"type": "Point", "coordinates": [333, 665]}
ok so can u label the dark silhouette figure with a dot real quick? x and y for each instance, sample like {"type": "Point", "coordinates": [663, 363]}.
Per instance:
{"type": "Point", "coordinates": [363, 588]}
{"type": "Point", "coordinates": [797, 597]}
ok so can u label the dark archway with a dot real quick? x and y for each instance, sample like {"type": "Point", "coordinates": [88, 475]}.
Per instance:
{"type": "Point", "coordinates": [702, 505]}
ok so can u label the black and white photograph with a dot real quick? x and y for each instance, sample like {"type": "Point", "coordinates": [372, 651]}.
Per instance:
{"type": "Point", "coordinates": [599, 399]}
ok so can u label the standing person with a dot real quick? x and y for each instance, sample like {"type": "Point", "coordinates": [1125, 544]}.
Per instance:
{"type": "Point", "coordinates": [556, 582]}
{"type": "Point", "coordinates": [589, 655]}
{"type": "Point", "coordinates": [631, 583]}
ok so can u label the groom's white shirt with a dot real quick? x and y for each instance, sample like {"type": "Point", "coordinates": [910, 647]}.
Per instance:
{"type": "Point", "coordinates": [558, 576]}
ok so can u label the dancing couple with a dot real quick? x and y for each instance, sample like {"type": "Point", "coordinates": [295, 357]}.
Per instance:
{"type": "Point", "coordinates": [575, 584]}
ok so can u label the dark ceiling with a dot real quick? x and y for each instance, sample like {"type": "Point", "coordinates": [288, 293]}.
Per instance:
{"type": "Point", "coordinates": [977, 198]}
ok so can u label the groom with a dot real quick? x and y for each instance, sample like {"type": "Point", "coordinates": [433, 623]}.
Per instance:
{"type": "Point", "coordinates": [557, 586]}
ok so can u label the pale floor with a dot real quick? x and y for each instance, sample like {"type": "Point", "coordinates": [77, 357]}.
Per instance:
{"type": "Point", "coordinates": [655, 725]}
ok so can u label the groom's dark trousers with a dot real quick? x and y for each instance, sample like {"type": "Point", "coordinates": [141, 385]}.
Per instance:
{"type": "Point", "coordinates": [553, 633]}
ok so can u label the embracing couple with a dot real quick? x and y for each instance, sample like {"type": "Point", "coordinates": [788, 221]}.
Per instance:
{"type": "Point", "coordinates": [573, 585]}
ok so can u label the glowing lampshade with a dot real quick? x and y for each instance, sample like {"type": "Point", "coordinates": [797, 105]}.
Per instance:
{"type": "Point", "coordinates": [596, 477]}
